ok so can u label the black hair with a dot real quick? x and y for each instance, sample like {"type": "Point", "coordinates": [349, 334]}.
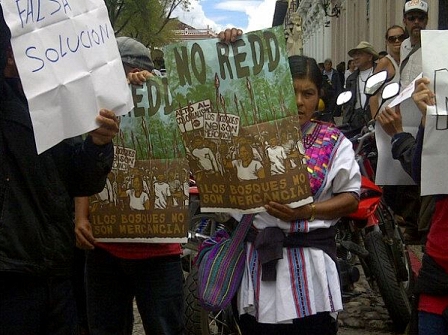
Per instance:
{"type": "Point", "coordinates": [303, 67]}
{"type": "Point", "coordinates": [348, 63]}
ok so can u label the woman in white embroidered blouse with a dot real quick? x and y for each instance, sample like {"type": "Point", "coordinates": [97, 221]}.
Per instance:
{"type": "Point", "coordinates": [301, 294]}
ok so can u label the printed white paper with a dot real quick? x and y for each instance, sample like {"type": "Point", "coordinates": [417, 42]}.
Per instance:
{"type": "Point", "coordinates": [69, 65]}
{"type": "Point", "coordinates": [405, 93]}
{"type": "Point", "coordinates": [435, 150]}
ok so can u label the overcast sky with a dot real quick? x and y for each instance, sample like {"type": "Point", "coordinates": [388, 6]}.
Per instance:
{"type": "Point", "coordinates": [248, 15]}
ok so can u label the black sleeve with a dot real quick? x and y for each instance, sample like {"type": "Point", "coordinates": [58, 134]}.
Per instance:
{"type": "Point", "coordinates": [417, 158]}
{"type": "Point", "coordinates": [403, 147]}
{"type": "Point", "coordinates": [90, 165]}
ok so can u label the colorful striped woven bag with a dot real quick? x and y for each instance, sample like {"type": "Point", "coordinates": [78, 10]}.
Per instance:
{"type": "Point", "coordinates": [221, 267]}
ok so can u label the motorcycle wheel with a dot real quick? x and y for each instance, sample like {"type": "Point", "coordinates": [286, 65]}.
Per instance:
{"type": "Point", "coordinates": [383, 270]}
{"type": "Point", "coordinates": [198, 321]}
{"type": "Point", "coordinates": [400, 252]}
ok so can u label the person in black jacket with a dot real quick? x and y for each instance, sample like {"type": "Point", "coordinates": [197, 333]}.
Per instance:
{"type": "Point", "coordinates": [332, 88]}
{"type": "Point", "coordinates": [356, 113]}
{"type": "Point", "coordinates": [430, 308]}
{"type": "Point", "coordinates": [36, 208]}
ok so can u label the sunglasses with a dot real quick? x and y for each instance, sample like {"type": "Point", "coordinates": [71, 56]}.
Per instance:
{"type": "Point", "coordinates": [396, 38]}
{"type": "Point", "coordinates": [413, 17]}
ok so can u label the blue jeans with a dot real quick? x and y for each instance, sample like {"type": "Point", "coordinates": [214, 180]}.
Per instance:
{"type": "Point", "coordinates": [431, 324]}
{"type": "Point", "coordinates": [112, 283]}
{"type": "Point", "coordinates": [36, 306]}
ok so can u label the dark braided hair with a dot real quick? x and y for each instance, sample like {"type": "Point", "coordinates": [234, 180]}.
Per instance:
{"type": "Point", "coordinates": [303, 67]}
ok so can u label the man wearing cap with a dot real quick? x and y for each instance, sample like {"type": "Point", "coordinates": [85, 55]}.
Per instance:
{"type": "Point", "coordinates": [416, 211]}
{"type": "Point", "coordinates": [357, 111]}
{"type": "Point", "coordinates": [116, 273]}
{"type": "Point", "coordinates": [415, 19]}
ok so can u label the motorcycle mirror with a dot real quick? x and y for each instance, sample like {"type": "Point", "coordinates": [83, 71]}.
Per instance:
{"type": "Point", "coordinates": [374, 82]}
{"type": "Point", "coordinates": [343, 98]}
{"type": "Point", "coordinates": [390, 91]}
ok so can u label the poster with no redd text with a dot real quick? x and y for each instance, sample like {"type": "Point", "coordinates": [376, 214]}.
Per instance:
{"type": "Point", "coordinates": [235, 108]}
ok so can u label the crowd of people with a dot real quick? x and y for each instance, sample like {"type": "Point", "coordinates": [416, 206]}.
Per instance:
{"type": "Point", "coordinates": [399, 134]}
{"type": "Point", "coordinates": [302, 295]}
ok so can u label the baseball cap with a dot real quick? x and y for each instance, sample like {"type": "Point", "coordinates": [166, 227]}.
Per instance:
{"type": "Point", "coordinates": [415, 5]}
{"type": "Point", "coordinates": [134, 53]}
{"type": "Point", "coordinates": [366, 47]}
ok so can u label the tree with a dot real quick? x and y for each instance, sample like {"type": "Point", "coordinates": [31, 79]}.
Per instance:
{"type": "Point", "coordinates": [148, 21]}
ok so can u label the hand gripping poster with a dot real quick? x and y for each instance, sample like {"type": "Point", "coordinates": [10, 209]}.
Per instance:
{"type": "Point", "coordinates": [235, 108]}
{"type": "Point", "coordinates": [146, 194]}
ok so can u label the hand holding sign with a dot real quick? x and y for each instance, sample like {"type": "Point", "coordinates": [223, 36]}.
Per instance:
{"type": "Point", "coordinates": [108, 128]}
{"type": "Point", "coordinates": [423, 96]}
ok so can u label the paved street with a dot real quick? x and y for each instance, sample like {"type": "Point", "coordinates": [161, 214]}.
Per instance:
{"type": "Point", "coordinates": [364, 314]}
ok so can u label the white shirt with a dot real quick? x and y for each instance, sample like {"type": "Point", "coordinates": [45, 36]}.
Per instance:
{"type": "Point", "coordinates": [206, 159]}
{"type": "Point", "coordinates": [405, 48]}
{"type": "Point", "coordinates": [277, 156]}
{"type": "Point", "coordinates": [249, 172]}
{"type": "Point", "coordinates": [410, 113]}
{"type": "Point", "coordinates": [274, 302]}
{"type": "Point", "coordinates": [161, 193]}
{"type": "Point", "coordinates": [137, 203]}
{"type": "Point", "coordinates": [362, 78]}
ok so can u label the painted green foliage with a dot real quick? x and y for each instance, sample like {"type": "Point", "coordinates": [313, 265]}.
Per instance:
{"type": "Point", "coordinates": [151, 128]}
{"type": "Point", "coordinates": [249, 78]}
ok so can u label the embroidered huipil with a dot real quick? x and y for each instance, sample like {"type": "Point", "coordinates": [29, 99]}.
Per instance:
{"type": "Point", "coordinates": [307, 279]}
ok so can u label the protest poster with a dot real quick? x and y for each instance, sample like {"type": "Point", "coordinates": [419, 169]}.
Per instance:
{"type": "Point", "coordinates": [435, 152]}
{"type": "Point", "coordinates": [235, 107]}
{"type": "Point", "coordinates": [69, 65]}
{"type": "Point", "coordinates": [146, 194]}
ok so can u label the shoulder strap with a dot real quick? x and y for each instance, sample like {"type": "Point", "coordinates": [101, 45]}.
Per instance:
{"type": "Point", "coordinates": [406, 60]}
{"type": "Point", "coordinates": [240, 232]}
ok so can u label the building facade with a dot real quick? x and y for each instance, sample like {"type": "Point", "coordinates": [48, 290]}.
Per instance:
{"type": "Point", "coordinates": [328, 36]}
{"type": "Point", "coordinates": [184, 32]}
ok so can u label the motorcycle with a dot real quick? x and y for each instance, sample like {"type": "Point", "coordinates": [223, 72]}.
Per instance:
{"type": "Point", "coordinates": [372, 233]}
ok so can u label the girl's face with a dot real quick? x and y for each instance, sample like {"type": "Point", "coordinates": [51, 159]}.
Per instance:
{"type": "Point", "coordinates": [307, 98]}
{"type": "Point", "coordinates": [395, 44]}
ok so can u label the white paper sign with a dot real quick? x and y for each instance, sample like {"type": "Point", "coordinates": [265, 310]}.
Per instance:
{"type": "Point", "coordinates": [69, 65]}
{"type": "Point", "coordinates": [406, 93]}
{"type": "Point", "coordinates": [435, 148]}
{"type": "Point", "coordinates": [388, 169]}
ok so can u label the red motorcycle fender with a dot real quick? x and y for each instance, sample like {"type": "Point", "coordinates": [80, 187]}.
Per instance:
{"type": "Point", "coordinates": [366, 209]}
{"type": "Point", "coordinates": [369, 200]}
